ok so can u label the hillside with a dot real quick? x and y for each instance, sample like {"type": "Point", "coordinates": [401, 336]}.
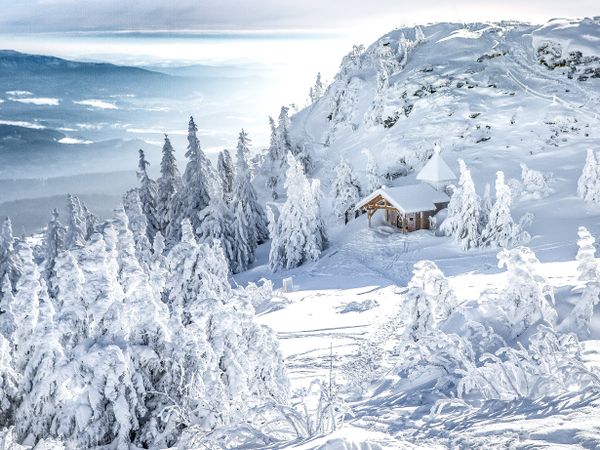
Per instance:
{"type": "Point", "coordinates": [496, 96]}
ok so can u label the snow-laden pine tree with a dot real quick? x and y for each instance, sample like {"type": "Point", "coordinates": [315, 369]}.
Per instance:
{"type": "Point", "coordinates": [7, 318]}
{"type": "Point", "coordinates": [98, 261]}
{"type": "Point", "coordinates": [41, 381]}
{"type": "Point", "coordinates": [528, 297]}
{"type": "Point", "coordinates": [276, 159]}
{"type": "Point", "coordinates": [374, 178]}
{"type": "Point", "coordinates": [583, 311]}
{"type": "Point", "coordinates": [179, 265]}
{"type": "Point", "coordinates": [501, 230]}
{"type": "Point", "coordinates": [169, 184]}
{"type": "Point", "coordinates": [345, 190]}
{"type": "Point", "coordinates": [587, 266]}
{"type": "Point", "coordinates": [226, 173]}
{"type": "Point", "coordinates": [9, 394]}
{"type": "Point", "coordinates": [76, 224]}
{"type": "Point", "coordinates": [91, 221]}
{"type": "Point", "coordinates": [143, 316]}
{"type": "Point", "coordinates": [237, 364]}
{"type": "Point", "coordinates": [316, 91]}
{"type": "Point", "coordinates": [148, 192]}
{"type": "Point", "coordinates": [536, 184]}
{"type": "Point", "coordinates": [197, 180]}
{"type": "Point", "coordinates": [105, 384]}
{"type": "Point", "coordinates": [25, 307]}
{"type": "Point", "coordinates": [464, 210]}
{"type": "Point", "coordinates": [138, 225]}
{"type": "Point", "coordinates": [72, 320]}
{"type": "Point", "coordinates": [419, 35]}
{"type": "Point", "coordinates": [9, 260]}
{"type": "Point", "coordinates": [588, 185]}
{"type": "Point", "coordinates": [245, 205]}
{"type": "Point", "coordinates": [418, 314]}
{"type": "Point", "coordinates": [158, 265]}
{"type": "Point", "coordinates": [299, 235]}
{"type": "Point", "coordinates": [101, 407]}
{"type": "Point", "coordinates": [217, 223]}
{"type": "Point", "coordinates": [54, 243]}
{"type": "Point", "coordinates": [486, 205]}
{"type": "Point", "coordinates": [431, 281]}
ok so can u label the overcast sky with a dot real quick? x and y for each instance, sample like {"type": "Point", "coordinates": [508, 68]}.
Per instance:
{"type": "Point", "coordinates": [73, 15]}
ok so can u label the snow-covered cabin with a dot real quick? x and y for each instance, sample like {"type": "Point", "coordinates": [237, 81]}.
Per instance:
{"type": "Point", "coordinates": [406, 207]}
{"type": "Point", "coordinates": [436, 172]}
{"type": "Point", "coordinates": [410, 207]}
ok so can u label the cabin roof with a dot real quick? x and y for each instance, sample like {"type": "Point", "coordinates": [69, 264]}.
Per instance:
{"type": "Point", "coordinates": [436, 170]}
{"type": "Point", "coordinates": [408, 199]}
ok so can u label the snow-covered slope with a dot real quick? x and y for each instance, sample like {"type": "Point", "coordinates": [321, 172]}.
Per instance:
{"type": "Point", "coordinates": [497, 96]}
{"type": "Point", "coordinates": [481, 92]}
{"type": "Point", "coordinates": [477, 89]}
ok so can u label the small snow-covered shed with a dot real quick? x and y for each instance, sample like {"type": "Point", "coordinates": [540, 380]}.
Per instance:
{"type": "Point", "coordinates": [406, 207]}
{"type": "Point", "coordinates": [436, 172]}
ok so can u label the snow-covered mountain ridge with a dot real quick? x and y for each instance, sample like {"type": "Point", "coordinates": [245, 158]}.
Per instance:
{"type": "Point", "coordinates": [478, 89]}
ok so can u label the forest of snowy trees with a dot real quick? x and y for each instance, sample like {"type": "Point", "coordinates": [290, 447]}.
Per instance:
{"type": "Point", "coordinates": [128, 330]}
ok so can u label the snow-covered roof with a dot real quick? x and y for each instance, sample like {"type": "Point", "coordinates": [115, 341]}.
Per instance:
{"type": "Point", "coordinates": [409, 199]}
{"type": "Point", "coordinates": [436, 170]}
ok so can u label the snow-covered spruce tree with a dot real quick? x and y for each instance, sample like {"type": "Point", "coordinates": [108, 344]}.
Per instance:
{"type": "Point", "coordinates": [280, 146]}
{"type": "Point", "coordinates": [25, 307]}
{"type": "Point", "coordinates": [528, 297]}
{"type": "Point", "coordinates": [432, 282]}
{"type": "Point", "coordinates": [588, 185]}
{"type": "Point", "coordinates": [54, 243]}
{"type": "Point", "coordinates": [158, 265]}
{"type": "Point", "coordinates": [501, 230]}
{"type": "Point", "coordinates": [236, 363]}
{"type": "Point", "coordinates": [143, 315]}
{"type": "Point", "coordinates": [486, 205]}
{"type": "Point", "coordinates": [299, 234]}
{"type": "Point", "coordinates": [91, 221]}
{"type": "Point", "coordinates": [463, 221]}
{"type": "Point", "coordinates": [9, 394]}
{"type": "Point", "coordinates": [105, 384]}
{"type": "Point", "coordinates": [587, 266]}
{"type": "Point", "coordinates": [102, 408]}
{"type": "Point", "coordinates": [101, 288]}
{"type": "Point", "coordinates": [138, 225]}
{"type": "Point", "coordinates": [76, 224]}
{"type": "Point", "coordinates": [419, 35]}
{"type": "Point", "coordinates": [41, 381]}
{"type": "Point", "coordinates": [9, 261]}
{"type": "Point", "coordinates": [72, 318]}
{"type": "Point", "coordinates": [179, 265]}
{"type": "Point", "coordinates": [345, 190]}
{"type": "Point", "coordinates": [169, 184]}
{"type": "Point", "coordinates": [7, 318]}
{"type": "Point", "coordinates": [148, 192]}
{"type": "Point", "coordinates": [536, 184]}
{"type": "Point", "coordinates": [418, 314]}
{"type": "Point", "coordinates": [589, 275]}
{"type": "Point", "coordinates": [197, 180]}
{"type": "Point", "coordinates": [316, 91]}
{"type": "Point", "coordinates": [226, 173]}
{"type": "Point", "coordinates": [374, 178]}
{"type": "Point", "coordinates": [218, 223]}
{"type": "Point", "coordinates": [583, 311]}
{"type": "Point", "coordinates": [245, 205]}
